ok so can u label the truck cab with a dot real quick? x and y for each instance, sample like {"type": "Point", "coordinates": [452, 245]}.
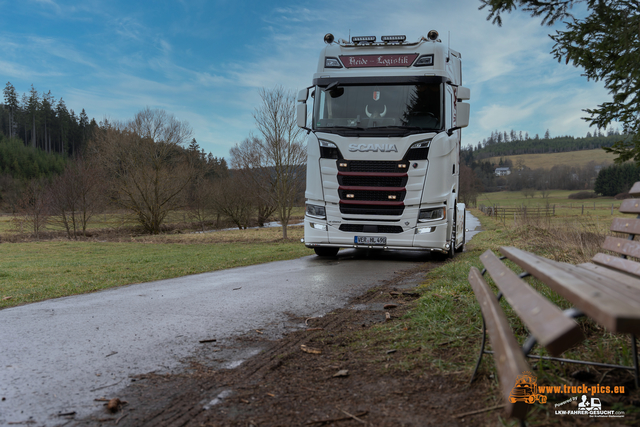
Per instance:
{"type": "Point", "coordinates": [383, 143]}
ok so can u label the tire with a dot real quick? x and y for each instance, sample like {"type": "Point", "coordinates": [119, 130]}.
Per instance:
{"type": "Point", "coordinates": [464, 233]}
{"type": "Point", "coordinates": [326, 251]}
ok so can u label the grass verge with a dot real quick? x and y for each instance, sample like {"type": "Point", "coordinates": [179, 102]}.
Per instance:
{"type": "Point", "coordinates": [36, 271]}
{"type": "Point", "coordinates": [442, 332]}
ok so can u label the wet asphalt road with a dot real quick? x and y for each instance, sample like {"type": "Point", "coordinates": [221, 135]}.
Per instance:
{"type": "Point", "coordinates": [57, 356]}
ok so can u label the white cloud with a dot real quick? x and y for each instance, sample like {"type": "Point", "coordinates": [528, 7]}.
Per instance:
{"type": "Point", "coordinates": [127, 58]}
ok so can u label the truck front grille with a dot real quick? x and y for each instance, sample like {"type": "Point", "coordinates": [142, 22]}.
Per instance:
{"type": "Point", "coordinates": [372, 181]}
{"type": "Point", "coordinates": [373, 166]}
{"type": "Point", "coordinates": [371, 209]}
{"type": "Point", "coordinates": [351, 193]}
{"type": "Point", "coordinates": [360, 228]}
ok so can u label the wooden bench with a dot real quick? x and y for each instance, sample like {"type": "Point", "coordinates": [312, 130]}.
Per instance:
{"type": "Point", "coordinates": [606, 290]}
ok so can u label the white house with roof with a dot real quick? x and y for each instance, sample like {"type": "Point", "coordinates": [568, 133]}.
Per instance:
{"type": "Point", "coordinates": [503, 171]}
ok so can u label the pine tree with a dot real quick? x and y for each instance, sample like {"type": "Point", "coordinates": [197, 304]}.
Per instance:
{"type": "Point", "coordinates": [11, 102]}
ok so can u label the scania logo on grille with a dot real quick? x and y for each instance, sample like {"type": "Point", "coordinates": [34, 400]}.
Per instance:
{"type": "Point", "coordinates": [385, 148]}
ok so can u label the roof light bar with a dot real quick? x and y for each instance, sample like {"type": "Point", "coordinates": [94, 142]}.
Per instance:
{"type": "Point", "coordinates": [361, 39]}
{"type": "Point", "coordinates": [393, 38]}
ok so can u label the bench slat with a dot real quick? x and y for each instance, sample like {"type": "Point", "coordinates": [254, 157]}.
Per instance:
{"type": "Point", "coordinates": [612, 287]}
{"type": "Point", "coordinates": [630, 206]}
{"type": "Point", "coordinates": [635, 190]}
{"type": "Point", "coordinates": [617, 263]}
{"type": "Point", "coordinates": [626, 225]}
{"type": "Point", "coordinates": [606, 306]}
{"type": "Point", "coordinates": [622, 246]}
{"type": "Point", "coordinates": [510, 361]}
{"type": "Point", "coordinates": [632, 282]}
{"type": "Point", "coordinates": [552, 329]}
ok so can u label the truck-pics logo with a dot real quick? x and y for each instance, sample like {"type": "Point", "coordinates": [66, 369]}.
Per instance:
{"type": "Point", "coordinates": [526, 389]}
{"type": "Point", "coordinates": [385, 148]}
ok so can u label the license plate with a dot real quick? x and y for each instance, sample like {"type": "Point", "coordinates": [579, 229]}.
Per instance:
{"type": "Point", "coordinates": [370, 240]}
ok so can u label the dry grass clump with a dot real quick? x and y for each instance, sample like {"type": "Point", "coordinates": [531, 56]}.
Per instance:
{"type": "Point", "coordinates": [573, 241]}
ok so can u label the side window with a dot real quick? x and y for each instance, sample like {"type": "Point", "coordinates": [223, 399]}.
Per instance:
{"type": "Point", "coordinates": [448, 104]}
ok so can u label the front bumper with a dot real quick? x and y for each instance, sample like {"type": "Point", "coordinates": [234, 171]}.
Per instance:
{"type": "Point", "coordinates": [332, 236]}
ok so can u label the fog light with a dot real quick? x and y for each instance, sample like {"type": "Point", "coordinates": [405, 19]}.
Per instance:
{"type": "Point", "coordinates": [321, 227]}
{"type": "Point", "coordinates": [350, 196]}
{"type": "Point", "coordinates": [392, 197]}
{"type": "Point", "coordinates": [425, 230]}
{"type": "Point", "coordinates": [342, 165]}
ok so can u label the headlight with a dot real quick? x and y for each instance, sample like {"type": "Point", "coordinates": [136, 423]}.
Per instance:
{"type": "Point", "coordinates": [329, 150]}
{"type": "Point", "coordinates": [316, 211]}
{"type": "Point", "coordinates": [432, 214]}
{"type": "Point", "coordinates": [419, 150]}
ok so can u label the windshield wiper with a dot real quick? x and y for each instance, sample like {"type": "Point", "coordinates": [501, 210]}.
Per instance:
{"type": "Point", "coordinates": [343, 128]}
{"type": "Point", "coordinates": [398, 127]}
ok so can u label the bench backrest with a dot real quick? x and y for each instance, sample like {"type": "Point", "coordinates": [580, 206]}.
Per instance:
{"type": "Point", "coordinates": [624, 247]}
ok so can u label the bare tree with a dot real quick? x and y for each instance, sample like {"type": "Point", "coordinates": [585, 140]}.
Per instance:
{"type": "Point", "coordinates": [231, 199]}
{"type": "Point", "coordinates": [470, 186]}
{"type": "Point", "coordinates": [148, 165]}
{"type": "Point", "coordinates": [250, 163]}
{"type": "Point", "coordinates": [33, 207]}
{"type": "Point", "coordinates": [279, 155]}
{"type": "Point", "coordinates": [77, 195]}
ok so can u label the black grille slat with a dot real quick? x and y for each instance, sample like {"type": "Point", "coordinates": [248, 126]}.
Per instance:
{"type": "Point", "coordinates": [371, 210]}
{"type": "Point", "coordinates": [359, 228]}
{"type": "Point", "coordinates": [373, 181]}
{"type": "Point", "coordinates": [373, 166]}
{"type": "Point", "coordinates": [376, 196]}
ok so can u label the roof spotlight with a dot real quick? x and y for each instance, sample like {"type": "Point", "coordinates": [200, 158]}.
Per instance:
{"type": "Point", "coordinates": [433, 35]}
{"type": "Point", "coordinates": [328, 38]}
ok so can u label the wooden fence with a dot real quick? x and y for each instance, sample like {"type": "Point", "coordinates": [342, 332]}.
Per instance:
{"type": "Point", "coordinates": [519, 212]}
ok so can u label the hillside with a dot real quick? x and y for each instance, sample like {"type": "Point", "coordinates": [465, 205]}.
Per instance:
{"type": "Point", "coordinates": [549, 160]}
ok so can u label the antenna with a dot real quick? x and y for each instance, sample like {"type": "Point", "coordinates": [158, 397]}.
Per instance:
{"type": "Point", "coordinates": [448, 45]}
{"type": "Point", "coordinates": [349, 35]}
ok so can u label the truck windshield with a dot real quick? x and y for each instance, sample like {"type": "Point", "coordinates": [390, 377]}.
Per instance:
{"type": "Point", "coordinates": [375, 108]}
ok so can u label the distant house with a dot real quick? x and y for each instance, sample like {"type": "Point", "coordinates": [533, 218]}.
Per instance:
{"type": "Point", "coordinates": [503, 171]}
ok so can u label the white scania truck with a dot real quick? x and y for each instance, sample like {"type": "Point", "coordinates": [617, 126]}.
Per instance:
{"type": "Point", "coordinates": [384, 146]}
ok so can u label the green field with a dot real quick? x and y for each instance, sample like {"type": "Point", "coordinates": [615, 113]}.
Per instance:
{"type": "Point", "coordinates": [113, 220]}
{"type": "Point", "coordinates": [601, 208]}
{"type": "Point", "coordinates": [570, 158]}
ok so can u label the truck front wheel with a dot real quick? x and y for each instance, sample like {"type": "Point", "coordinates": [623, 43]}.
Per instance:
{"type": "Point", "coordinates": [464, 232]}
{"type": "Point", "coordinates": [328, 252]}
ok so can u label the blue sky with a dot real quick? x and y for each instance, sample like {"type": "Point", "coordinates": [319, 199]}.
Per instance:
{"type": "Point", "coordinates": [204, 61]}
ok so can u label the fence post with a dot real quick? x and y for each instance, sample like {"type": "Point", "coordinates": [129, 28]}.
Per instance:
{"type": "Point", "coordinates": [554, 209]}
{"type": "Point", "coordinates": [611, 208]}
{"type": "Point", "coordinates": [582, 209]}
